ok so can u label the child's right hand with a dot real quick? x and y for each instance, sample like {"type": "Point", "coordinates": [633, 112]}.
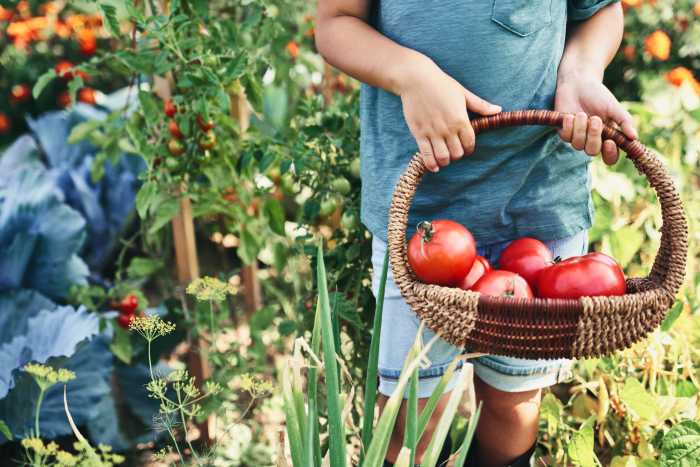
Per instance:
{"type": "Point", "coordinates": [435, 107]}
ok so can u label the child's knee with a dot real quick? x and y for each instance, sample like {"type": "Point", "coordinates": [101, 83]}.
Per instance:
{"type": "Point", "coordinates": [514, 406]}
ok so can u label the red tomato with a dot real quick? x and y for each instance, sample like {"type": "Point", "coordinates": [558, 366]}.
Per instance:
{"type": "Point", "coordinates": [20, 93]}
{"type": "Point", "coordinates": [480, 267]}
{"type": "Point", "coordinates": [526, 257]}
{"type": "Point", "coordinates": [207, 140]}
{"type": "Point", "coordinates": [205, 125]}
{"type": "Point", "coordinates": [63, 99]}
{"type": "Point", "coordinates": [591, 275]}
{"type": "Point", "coordinates": [62, 70]}
{"type": "Point", "coordinates": [170, 109]}
{"type": "Point", "coordinates": [125, 319]}
{"type": "Point", "coordinates": [87, 96]}
{"type": "Point", "coordinates": [503, 284]}
{"type": "Point", "coordinates": [87, 42]}
{"type": "Point", "coordinates": [174, 129]}
{"type": "Point", "coordinates": [5, 124]}
{"type": "Point", "coordinates": [441, 252]}
{"type": "Point", "coordinates": [129, 304]}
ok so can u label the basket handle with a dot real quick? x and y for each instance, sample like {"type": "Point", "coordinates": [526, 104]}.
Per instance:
{"type": "Point", "coordinates": [668, 271]}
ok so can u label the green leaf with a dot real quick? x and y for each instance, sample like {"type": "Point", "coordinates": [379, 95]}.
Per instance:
{"type": "Point", "coordinates": [550, 411]}
{"type": "Point", "coordinates": [5, 430]}
{"type": "Point", "coordinates": [248, 248]}
{"type": "Point", "coordinates": [625, 243]}
{"type": "Point", "coordinates": [149, 106]}
{"type": "Point", "coordinates": [466, 443]}
{"type": "Point", "coordinates": [42, 82]}
{"type": "Point", "coordinates": [74, 86]}
{"type": "Point", "coordinates": [82, 130]}
{"type": "Point", "coordinates": [144, 267]}
{"type": "Point", "coordinates": [686, 389]}
{"type": "Point", "coordinates": [111, 22]}
{"type": "Point", "coordinates": [121, 345]}
{"type": "Point", "coordinates": [681, 445]}
{"type": "Point", "coordinates": [254, 91]}
{"type": "Point", "coordinates": [145, 197]}
{"type": "Point", "coordinates": [672, 316]}
{"type": "Point", "coordinates": [638, 400]}
{"type": "Point", "coordinates": [580, 448]}
{"type": "Point", "coordinates": [275, 215]}
{"type": "Point", "coordinates": [165, 213]}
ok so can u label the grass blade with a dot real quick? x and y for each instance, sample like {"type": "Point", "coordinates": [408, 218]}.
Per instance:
{"type": "Point", "coordinates": [442, 430]}
{"type": "Point", "coordinates": [410, 435]}
{"type": "Point", "coordinates": [429, 407]}
{"type": "Point", "coordinates": [292, 421]}
{"type": "Point", "coordinates": [405, 458]}
{"type": "Point", "coordinates": [335, 421]}
{"type": "Point", "coordinates": [371, 379]}
{"type": "Point", "coordinates": [313, 441]}
{"type": "Point", "coordinates": [376, 451]}
{"type": "Point", "coordinates": [298, 396]}
{"type": "Point", "coordinates": [467, 441]}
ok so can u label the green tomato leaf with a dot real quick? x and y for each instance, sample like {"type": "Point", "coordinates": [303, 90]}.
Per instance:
{"type": "Point", "coordinates": [42, 82]}
{"type": "Point", "coordinates": [681, 445]}
{"type": "Point", "coordinates": [5, 430]}
{"type": "Point", "coordinates": [248, 248]}
{"type": "Point", "coordinates": [275, 215]}
{"type": "Point", "coordinates": [121, 345]}
{"type": "Point", "coordinates": [550, 411]}
{"type": "Point", "coordinates": [580, 449]}
{"type": "Point", "coordinates": [82, 130]}
{"type": "Point", "coordinates": [672, 316]}
{"type": "Point", "coordinates": [144, 267]}
{"type": "Point", "coordinates": [145, 197]}
{"type": "Point", "coordinates": [164, 214]}
{"type": "Point", "coordinates": [74, 86]}
{"type": "Point", "coordinates": [149, 106]}
{"type": "Point", "coordinates": [638, 400]}
{"type": "Point", "coordinates": [111, 22]}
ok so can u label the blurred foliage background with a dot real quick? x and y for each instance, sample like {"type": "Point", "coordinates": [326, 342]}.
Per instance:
{"type": "Point", "coordinates": [261, 194]}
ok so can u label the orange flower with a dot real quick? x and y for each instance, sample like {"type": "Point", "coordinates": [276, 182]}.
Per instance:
{"type": "Point", "coordinates": [87, 41]}
{"type": "Point", "coordinates": [5, 14]}
{"type": "Point", "coordinates": [696, 8]}
{"type": "Point", "coordinates": [679, 75]}
{"type": "Point", "coordinates": [292, 49]}
{"type": "Point", "coordinates": [62, 29]}
{"type": "Point", "coordinates": [658, 45]}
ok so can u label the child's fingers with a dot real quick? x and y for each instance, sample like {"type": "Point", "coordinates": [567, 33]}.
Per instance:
{"type": "Point", "coordinates": [578, 140]}
{"type": "Point", "coordinates": [594, 141]}
{"type": "Point", "coordinates": [625, 121]}
{"type": "Point", "coordinates": [440, 151]}
{"type": "Point", "coordinates": [467, 138]}
{"type": "Point", "coordinates": [426, 152]}
{"type": "Point", "coordinates": [610, 152]}
{"type": "Point", "coordinates": [479, 105]}
{"type": "Point", "coordinates": [567, 128]}
{"type": "Point", "coordinates": [455, 147]}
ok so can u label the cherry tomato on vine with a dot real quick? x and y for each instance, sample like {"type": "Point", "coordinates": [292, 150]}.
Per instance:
{"type": "Point", "coordinates": [205, 125]}
{"type": "Point", "coordinates": [62, 70]}
{"type": "Point", "coordinates": [341, 185]}
{"type": "Point", "coordinates": [591, 275]}
{"type": "Point", "coordinates": [20, 93]}
{"type": "Point", "coordinates": [172, 163]}
{"type": "Point", "coordinates": [480, 267]}
{"type": "Point", "coordinates": [87, 96]}
{"type": "Point", "coordinates": [441, 252]}
{"type": "Point", "coordinates": [174, 129]}
{"type": "Point", "coordinates": [87, 41]}
{"type": "Point", "coordinates": [5, 124]}
{"type": "Point", "coordinates": [175, 147]}
{"type": "Point", "coordinates": [207, 140]}
{"type": "Point", "coordinates": [125, 319]}
{"type": "Point", "coordinates": [503, 284]}
{"type": "Point", "coordinates": [63, 99]}
{"type": "Point", "coordinates": [169, 108]}
{"type": "Point", "coordinates": [129, 304]}
{"type": "Point", "coordinates": [292, 49]}
{"type": "Point", "coordinates": [328, 207]}
{"type": "Point", "coordinates": [526, 257]}
{"type": "Point", "coordinates": [349, 220]}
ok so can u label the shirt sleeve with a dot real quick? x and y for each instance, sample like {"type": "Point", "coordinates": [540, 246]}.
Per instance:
{"type": "Point", "coordinates": [579, 10]}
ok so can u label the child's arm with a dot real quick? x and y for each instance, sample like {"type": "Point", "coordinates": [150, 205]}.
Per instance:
{"type": "Point", "coordinates": [590, 47]}
{"type": "Point", "coordinates": [434, 105]}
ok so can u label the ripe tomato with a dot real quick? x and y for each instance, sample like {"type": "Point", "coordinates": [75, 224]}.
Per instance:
{"type": "Point", "coordinates": [129, 304]}
{"type": "Point", "coordinates": [207, 140]}
{"type": "Point", "coordinates": [5, 124]}
{"type": "Point", "coordinates": [63, 99]}
{"type": "Point", "coordinates": [503, 284]}
{"type": "Point", "coordinates": [441, 252]}
{"type": "Point", "coordinates": [87, 42]}
{"type": "Point", "coordinates": [174, 129]}
{"type": "Point", "coordinates": [20, 93]}
{"type": "Point", "coordinates": [480, 267]}
{"type": "Point", "coordinates": [87, 96]}
{"type": "Point", "coordinates": [170, 109]}
{"type": "Point", "coordinates": [125, 319]}
{"type": "Point", "coordinates": [62, 70]}
{"type": "Point", "coordinates": [591, 275]}
{"type": "Point", "coordinates": [526, 257]}
{"type": "Point", "coordinates": [205, 125]}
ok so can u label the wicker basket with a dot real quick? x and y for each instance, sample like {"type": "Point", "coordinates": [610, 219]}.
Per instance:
{"type": "Point", "coordinates": [547, 328]}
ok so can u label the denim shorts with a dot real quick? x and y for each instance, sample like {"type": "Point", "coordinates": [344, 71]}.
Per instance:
{"type": "Point", "coordinates": [400, 326]}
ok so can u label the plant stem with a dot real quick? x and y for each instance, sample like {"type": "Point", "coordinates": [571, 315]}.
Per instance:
{"type": "Point", "coordinates": [150, 364]}
{"type": "Point", "coordinates": [177, 448]}
{"type": "Point", "coordinates": [184, 425]}
{"type": "Point", "coordinates": [38, 410]}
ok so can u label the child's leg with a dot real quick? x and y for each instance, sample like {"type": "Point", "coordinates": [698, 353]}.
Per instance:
{"type": "Point", "coordinates": [510, 388]}
{"type": "Point", "coordinates": [399, 328]}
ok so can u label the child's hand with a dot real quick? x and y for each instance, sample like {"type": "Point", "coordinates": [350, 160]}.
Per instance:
{"type": "Point", "coordinates": [581, 96]}
{"type": "Point", "coordinates": [435, 107]}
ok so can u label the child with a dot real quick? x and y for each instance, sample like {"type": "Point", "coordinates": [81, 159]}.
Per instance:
{"type": "Point", "coordinates": [425, 64]}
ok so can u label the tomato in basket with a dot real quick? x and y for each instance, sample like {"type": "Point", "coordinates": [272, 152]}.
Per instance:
{"type": "Point", "coordinates": [480, 267]}
{"type": "Point", "coordinates": [503, 284]}
{"type": "Point", "coordinates": [591, 275]}
{"type": "Point", "coordinates": [527, 257]}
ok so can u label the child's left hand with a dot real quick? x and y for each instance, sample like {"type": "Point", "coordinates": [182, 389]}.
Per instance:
{"type": "Point", "coordinates": [581, 96]}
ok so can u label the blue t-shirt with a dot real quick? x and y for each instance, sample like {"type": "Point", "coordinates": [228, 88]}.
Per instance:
{"type": "Point", "coordinates": [521, 181]}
